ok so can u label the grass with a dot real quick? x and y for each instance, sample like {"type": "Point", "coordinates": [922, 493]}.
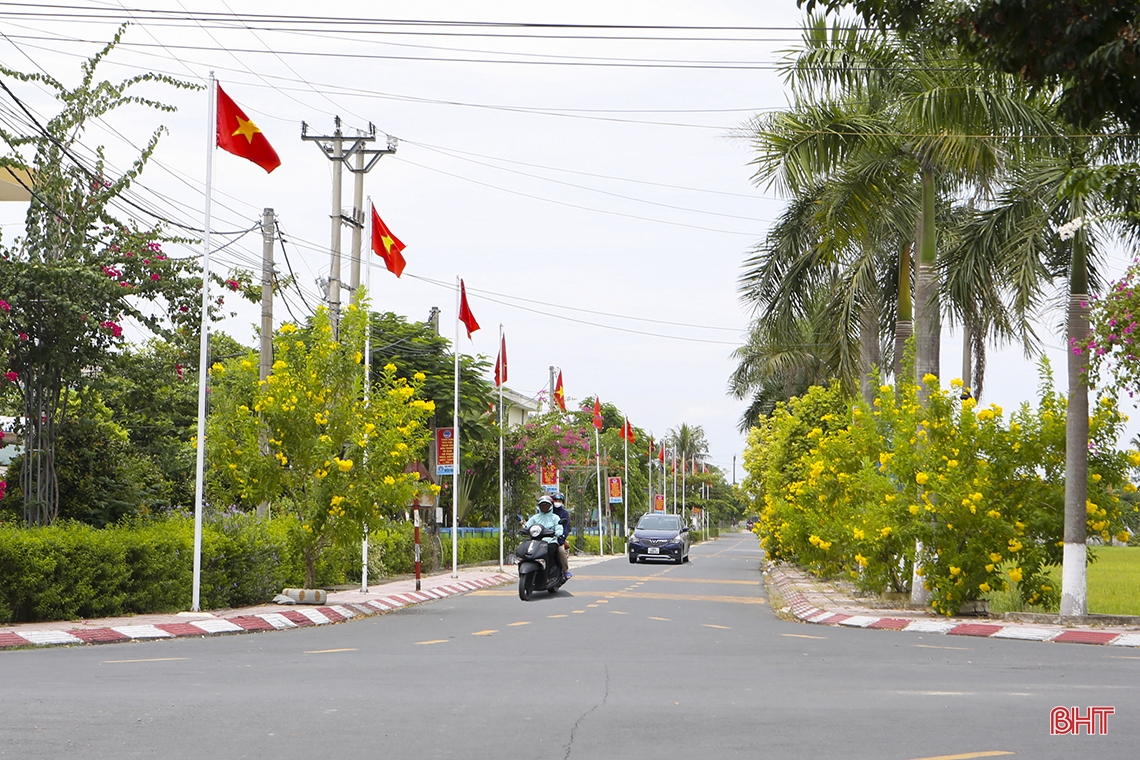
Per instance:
{"type": "Point", "coordinates": [1113, 585]}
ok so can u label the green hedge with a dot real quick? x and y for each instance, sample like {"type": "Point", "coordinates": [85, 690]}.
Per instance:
{"type": "Point", "coordinates": [70, 570]}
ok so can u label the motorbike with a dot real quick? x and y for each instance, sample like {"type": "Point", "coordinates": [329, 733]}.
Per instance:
{"type": "Point", "coordinates": [538, 563]}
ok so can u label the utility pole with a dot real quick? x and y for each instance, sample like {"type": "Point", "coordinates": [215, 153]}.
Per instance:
{"type": "Point", "coordinates": [359, 168]}
{"type": "Point", "coordinates": [268, 232]}
{"type": "Point", "coordinates": [551, 386]}
{"type": "Point", "coordinates": [333, 146]}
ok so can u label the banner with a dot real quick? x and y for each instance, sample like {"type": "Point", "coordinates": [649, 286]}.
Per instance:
{"type": "Point", "coordinates": [444, 451]}
{"type": "Point", "coordinates": [548, 478]}
{"type": "Point", "coordinates": [658, 502]}
{"type": "Point", "coordinates": [615, 491]}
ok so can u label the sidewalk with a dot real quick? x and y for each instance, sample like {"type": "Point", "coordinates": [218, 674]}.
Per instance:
{"type": "Point", "coordinates": [341, 606]}
{"type": "Point", "coordinates": [810, 600]}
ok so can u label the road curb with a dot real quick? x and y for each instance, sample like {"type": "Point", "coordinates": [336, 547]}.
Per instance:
{"type": "Point", "coordinates": [804, 611]}
{"type": "Point", "coordinates": [289, 617]}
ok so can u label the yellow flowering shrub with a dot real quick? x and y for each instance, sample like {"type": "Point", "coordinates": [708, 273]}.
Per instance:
{"type": "Point", "coordinates": [333, 459]}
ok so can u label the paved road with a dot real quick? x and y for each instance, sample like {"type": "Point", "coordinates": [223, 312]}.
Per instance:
{"type": "Point", "coordinates": [630, 662]}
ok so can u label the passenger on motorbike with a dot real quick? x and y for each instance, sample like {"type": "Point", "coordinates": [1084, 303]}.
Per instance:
{"type": "Point", "coordinates": [564, 519]}
{"type": "Point", "coordinates": [546, 518]}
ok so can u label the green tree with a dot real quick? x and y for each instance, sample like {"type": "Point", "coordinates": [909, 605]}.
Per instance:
{"type": "Point", "coordinates": [79, 270]}
{"type": "Point", "coordinates": [311, 440]}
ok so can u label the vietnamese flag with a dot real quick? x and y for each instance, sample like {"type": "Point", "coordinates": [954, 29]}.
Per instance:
{"type": "Point", "coordinates": [597, 420]}
{"type": "Point", "coordinates": [627, 431]}
{"type": "Point", "coordinates": [386, 245]}
{"type": "Point", "coordinates": [661, 455]}
{"type": "Point", "coordinates": [559, 394]}
{"type": "Point", "coordinates": [240, 136]}
{"type": "Point", "coordinates": [465, 315]}
{"type": "Point", "coordinates": [501, 363]}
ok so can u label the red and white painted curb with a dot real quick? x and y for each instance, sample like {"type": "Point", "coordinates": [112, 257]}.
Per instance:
{"type": "Point", "coordinates": [806, 612]}
{"type": "Point", "coordinates": [289, 617]}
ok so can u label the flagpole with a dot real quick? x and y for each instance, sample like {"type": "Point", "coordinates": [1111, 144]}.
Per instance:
{"type": "Point", "coordinates": [625, 485]}
{"type": "Point", "coordinates": [367, 386]}
{"type": "Point", "coordinates": [683, 473]}
{"type": "Point", "coordinates": [458, 459]}
{"type": "Point", "coordinates": [500, 379]}
{"type": "Point", "coordinates": [674, 481]}
{"type": "Point", "coordinates": [598, 465]}
{"type": "Point", "coordinates": [204, 349]}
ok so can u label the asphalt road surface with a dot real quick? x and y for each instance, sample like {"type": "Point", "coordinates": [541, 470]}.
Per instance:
{"type": "Point", "coordinates": [626, 662]}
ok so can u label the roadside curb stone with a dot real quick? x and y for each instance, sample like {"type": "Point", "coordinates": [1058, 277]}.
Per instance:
{"type": "Point", "coordinates": [795, 590]}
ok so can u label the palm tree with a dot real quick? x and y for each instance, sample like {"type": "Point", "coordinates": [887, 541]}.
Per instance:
{"type": "Point", "coordinates": [1050, 223]}
{"type": "Point", "coordinates": [690, 442]}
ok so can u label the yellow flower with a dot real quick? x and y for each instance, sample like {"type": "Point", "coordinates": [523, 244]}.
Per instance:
{"type": "Point", "coordinates": [1015, 575]}
{"type": "Point", "coordinates": [344, 465]}
{"type": "Point", "coordinates": [389, 367]}
{"type": "Point", "coordinates": [952, 463]}
{"type": "Point", "coordinates": [358, 357]}
{"type": "Point", "coordinates": [969, 403]}
{"type": "Point", "coordinates": [995, 557]}
{"type": "Point", "coordinates": [985, 415]}
{"type": "Point", "coordinates": [884, 389]}
{"type": "Point", "coordinates": [886, 531]}
{"type": "Point", "coordinates": [279, 365]}
{"type": "Point", "coordinates": [955, 570]}
{"type": "Point", "coordinates": [420, 376]}
{"type": "Point", "coordinates": [858, 532]}
{"type": "Point", "coordinates": [288, 328]}
{"type": "Point", "coordinates": [1090, 507]}
{"type": "Point", "coordinates": [813, 540]}
{"type": "Point", "coordinates": [1134, 458]}
{"type": "Point", "coordinates": [217, 367]}
{"type": "Point", "coordinates": [989, 568]}
{"type": "Point", "coordinates": [336, 500]}
{"type": "Point", "coordinates": [861, 560]}
{"type": "Point", "coordinates": [1096, 477]}
{"type": "Point", "coordinates": [994, 514]}
{"type": "Point", "coordinates": [913, 509]}
{"type": "Point", "coordinates": [1122, 536]}
{"type": "Point", "coordinates": [929, 378]}
{"type": "Point", "coordinates": [825, 545]}
{"type": "Point", "coordinates": [956, 383]}
{"type": "Point", "coordinates": [984, 588]}
{"type": "Point", "coordinates": [389, 480]}
{"type": "Point", "coordinates": [884, 457]}
{"type": "Point", "coordinates": [921, 478]}
{"type": "Point", "coordinates": [1014, 545]}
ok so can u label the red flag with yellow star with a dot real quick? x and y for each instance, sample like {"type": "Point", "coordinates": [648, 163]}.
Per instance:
{"type": "Point", "coordinates": [597, 418]}
{"type": "Point", "coordinates": [386, 245]}
{"type": "Point", "coordinates": [240, 136]}
{"type": "Point", "coordinates": [559, 393]}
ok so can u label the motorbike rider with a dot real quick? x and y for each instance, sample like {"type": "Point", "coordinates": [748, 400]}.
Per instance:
{"type": "Point", "coordinates": [564, 520]}
{"type": "Point", "coordinates": [546, 518]}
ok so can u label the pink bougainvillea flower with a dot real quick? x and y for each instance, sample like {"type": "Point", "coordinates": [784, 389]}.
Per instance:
{"type": "Point", "coordinates": [24, 336]}
{"type": "Point", "coordinates": [233, 284]}
{"type": "Point", "coordinates": [11, 376]}
{"type": "Point", "coordinates": [178, 369]}
{"type": "Point", "coordinates": [156, 277]}
{"type": "Point", "coordinates": [4, 305]}
{"type": "Point", "coordinates": [114, 328]}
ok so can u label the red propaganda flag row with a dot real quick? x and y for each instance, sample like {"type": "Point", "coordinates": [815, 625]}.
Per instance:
{"type": "Point", "coordinates": [237, 134]}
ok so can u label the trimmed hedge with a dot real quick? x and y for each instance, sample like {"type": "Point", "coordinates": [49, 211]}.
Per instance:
{"type": "Point", "coordinates": [69, 570]}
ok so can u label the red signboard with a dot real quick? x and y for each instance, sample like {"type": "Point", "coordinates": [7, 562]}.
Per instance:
{"type": "Point", "coordinates": [548, 478]}
{"type": "Point", "coordinates": [658, 502]}
{"type": "Point", "coordinates": [615, 491]}
{"type": "Point", "coordinates": [445, 451]}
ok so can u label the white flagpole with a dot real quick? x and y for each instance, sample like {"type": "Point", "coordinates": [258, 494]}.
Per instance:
{"type": "Point", "coordinates": [458, 459]}
{"type": "Point", "coordinates": [625, 485]}
{"type": "Point", "coordinates": [501, 379]}
{"type": "Point", "coordinates": [598, 465]}
{"type": "Point", "coordinates": [367, 386]}
{"type": "Point", "coordinates": [204, 348]}
{"type": "Point", "coordinates": [674, 482]}
{"type": "Point", "coordinates": [683, 474]}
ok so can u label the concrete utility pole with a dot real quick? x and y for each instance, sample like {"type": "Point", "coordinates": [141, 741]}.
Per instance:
{"type": "Point", "coordinates": [333, 146]}
{"type": "Point", "coordinates": [268, 233]}
{"type": "Point", "coordinates": [359, 168]}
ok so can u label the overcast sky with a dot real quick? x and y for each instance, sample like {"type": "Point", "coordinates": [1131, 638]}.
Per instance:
{"type": "Point", "coordinates": [614, 194]}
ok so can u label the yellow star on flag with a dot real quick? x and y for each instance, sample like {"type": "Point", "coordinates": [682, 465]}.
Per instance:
{"type": "Point", "coordinates": [246, 129]}
{"type": "Point", "coordinates": [388, 243]}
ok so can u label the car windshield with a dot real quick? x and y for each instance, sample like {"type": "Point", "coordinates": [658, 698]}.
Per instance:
{"type": "Point", "coordinates": [659, 522]}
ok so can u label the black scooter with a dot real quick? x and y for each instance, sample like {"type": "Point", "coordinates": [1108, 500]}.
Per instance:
{"type": "Point", "coordinates": [538, 563]}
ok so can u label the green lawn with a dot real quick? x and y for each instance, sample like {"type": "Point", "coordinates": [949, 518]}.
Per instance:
{"type": "Point", "coordinates": [1114, 584]}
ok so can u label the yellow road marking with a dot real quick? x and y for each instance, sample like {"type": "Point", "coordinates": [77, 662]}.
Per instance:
{"type": "Point", "coordinates": [619, 612]}
{"type": "Point", "coordinates": [577, 612]}
{"type": "Point", "coordinates": [658, 618]}
{"type": "Point", "coordinates": [722, 627]}
{"type": "Point", "coordinates": [487, 632]}
{"type": "Point", "coordinates": [433, 641]}
{"type": "Point", "coordinates": [332, 651]}
{"type": "Point", "coordinates": [802, 636]}
{"type": "Point", "coordinates": [934, 646]}
{"type": "Point", "coordinates": [591, 605]}
{"type": "Point", "coordinates": [148, 659]}
{"type": "Point", "coordinates": [968, 755]}
{"type": "Point", "coordinates": [556, 616]}
{"type": "Point", "coordinates": [604, 601]}
{"type": "Point", "coordinates": [521, 622]}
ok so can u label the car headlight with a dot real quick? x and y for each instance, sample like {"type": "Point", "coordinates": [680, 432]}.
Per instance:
{"type": "Point", "coordinates": [637, 540]}
{"type": "Point", "coordinates": [677, 539]}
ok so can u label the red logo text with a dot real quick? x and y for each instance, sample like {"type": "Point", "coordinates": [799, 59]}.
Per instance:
{"type": "Point", "coordinates": [1065, 721]}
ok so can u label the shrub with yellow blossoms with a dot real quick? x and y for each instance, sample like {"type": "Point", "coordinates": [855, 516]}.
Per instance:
{"type": "Point", "coordinates": [308, 441]}
{"type": "Point", "coordinates": [848, 492]}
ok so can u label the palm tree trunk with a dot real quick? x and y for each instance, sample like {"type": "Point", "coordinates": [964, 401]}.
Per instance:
{"type": "Point", "coordinates": [1074, 588]}
{"type": "Point", "coordinates": [869, 354]}
{"type": "Point", "coordinates": [904, 320]}
{"type": "Point", "coordinates": [967, 346]}
{"type": "Point", "coordinates": [926, 306]}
